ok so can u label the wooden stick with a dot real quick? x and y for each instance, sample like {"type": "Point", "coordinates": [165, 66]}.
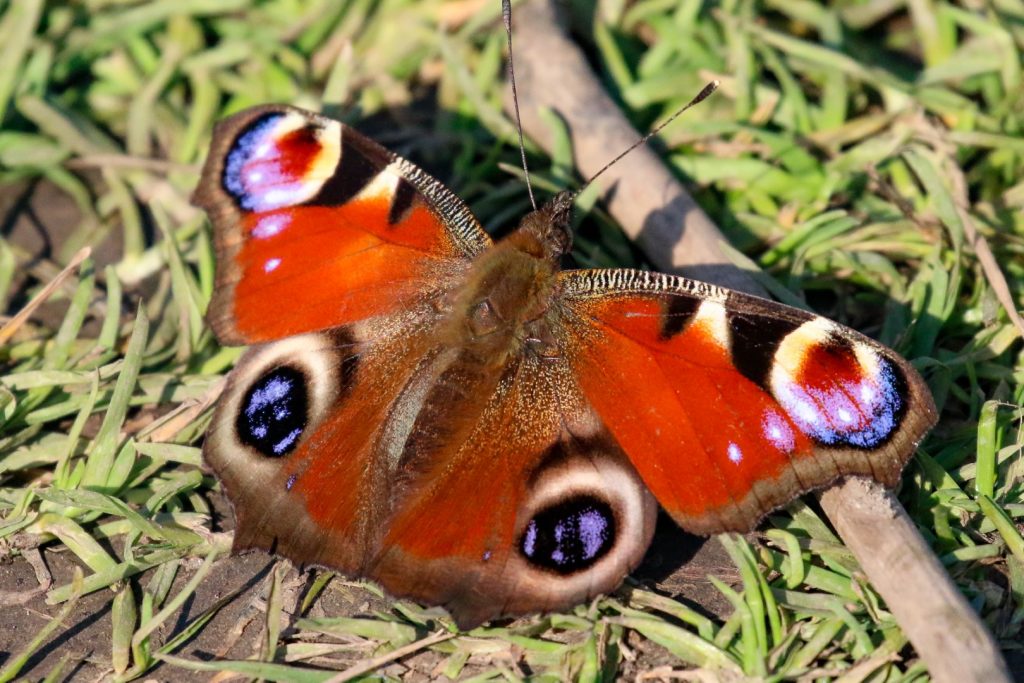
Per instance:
{"type": "Point", "coordinates": [658, 213]}
{"type": "Point", "coordinates": [645, 198]}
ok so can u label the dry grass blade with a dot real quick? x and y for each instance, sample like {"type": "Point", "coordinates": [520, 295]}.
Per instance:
{"type": "Point", "coordinates": [369, 665]}
{"type": "Point", "coordinates": [12, 326]}
{"type": "Point", "coordinates": [939, 139]}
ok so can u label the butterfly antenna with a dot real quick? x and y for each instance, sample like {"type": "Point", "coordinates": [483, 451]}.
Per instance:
{"type": "Point", "coordinates": [506, 15]}
{"type": "Point", "coordinates": [701, 96]}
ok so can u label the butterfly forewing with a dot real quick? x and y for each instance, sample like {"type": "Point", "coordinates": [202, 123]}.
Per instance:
{"type": "Point", "coordinates": [730, 405]}
{"type": "Point", "coordinates": [317, 226]}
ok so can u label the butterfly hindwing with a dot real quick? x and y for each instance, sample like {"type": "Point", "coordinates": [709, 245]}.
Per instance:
{"type": "Point", "coordinates": [294, 438]}
{"type": "Point", "coordinates": [527, 506]}
{"type": "Point", "coordinates": [729, 405]}
{"type": "Point", "coordinates": [317, 226]}
{"type": "Point", "coordinates": [384, 450]}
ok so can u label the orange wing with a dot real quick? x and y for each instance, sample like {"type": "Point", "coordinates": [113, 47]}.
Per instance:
{"type": "Point", "coordinates": [317, 226]}
{"type": "Point", "coordinates": [729, 405]}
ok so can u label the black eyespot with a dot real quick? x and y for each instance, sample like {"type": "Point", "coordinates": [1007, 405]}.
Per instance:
{"type": "Point", "coordinates": [274, 412]}
{"type": "Point", "coordinates": [569, 536]}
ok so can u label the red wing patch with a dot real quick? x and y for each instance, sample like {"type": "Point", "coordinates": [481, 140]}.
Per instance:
{"type": "Point", "coordinates": [313, 267]}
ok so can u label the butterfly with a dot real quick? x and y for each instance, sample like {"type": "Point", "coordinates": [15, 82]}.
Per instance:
{"type": "Point", "coordinates": [471, 426]}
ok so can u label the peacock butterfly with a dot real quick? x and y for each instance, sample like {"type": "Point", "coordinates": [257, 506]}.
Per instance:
{"type": "Point", "coordinates": [473, 427]}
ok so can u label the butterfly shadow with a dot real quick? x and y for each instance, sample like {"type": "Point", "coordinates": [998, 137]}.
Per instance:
{"type": "Point", "coordinates": [678, 564]}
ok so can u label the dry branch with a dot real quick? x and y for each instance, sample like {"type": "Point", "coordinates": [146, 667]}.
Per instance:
{"type": "Point", "coordinates": [658, 213]}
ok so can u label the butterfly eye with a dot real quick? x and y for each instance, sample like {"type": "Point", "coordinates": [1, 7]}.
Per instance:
{"type": "Point", "coordinates": [483, 320]}
{"type": "Point", "coordinates": [570, 535]}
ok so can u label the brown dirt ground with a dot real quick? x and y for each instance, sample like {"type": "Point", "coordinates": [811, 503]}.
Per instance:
{"type": "Point", "coordinates": [235, 632]}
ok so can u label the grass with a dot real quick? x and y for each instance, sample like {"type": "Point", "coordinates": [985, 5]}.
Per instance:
{"type": "Point", "coordinates": [866, 157]}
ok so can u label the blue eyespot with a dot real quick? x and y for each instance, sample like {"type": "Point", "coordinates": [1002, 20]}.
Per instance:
{"type": "Point", "coordinates": [254, 143]}
{"type": "Point", "coordinates": [569, 536]}
{"type": "Point", "coordinates": [274, 412]}
{"type": "Point", "coordinates": [862, 412]}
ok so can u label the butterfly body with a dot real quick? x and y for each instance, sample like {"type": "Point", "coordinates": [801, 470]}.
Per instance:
{"type": "Point", "coordinates": [473, 427]}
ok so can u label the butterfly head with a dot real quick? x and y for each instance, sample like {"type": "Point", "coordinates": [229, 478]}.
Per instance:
{"type": "Point", "coordinates": [548, 230]}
